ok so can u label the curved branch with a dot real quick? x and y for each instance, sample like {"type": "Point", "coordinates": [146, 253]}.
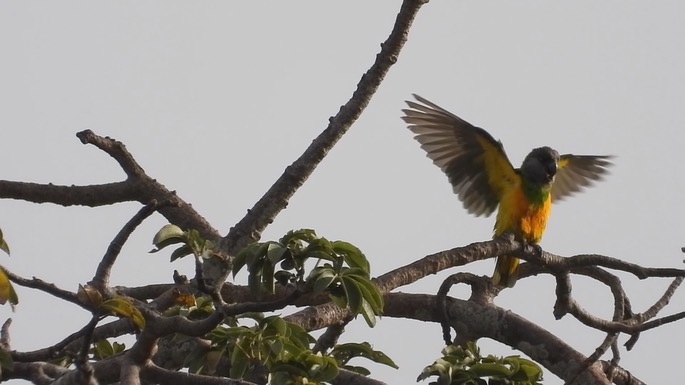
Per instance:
{"type": "Point", "coordinates": [101, 278]}
{"type": "Point", "coordinates": [437, 262]}
{"type": "Point", "coordinates": [249, 228]}
{"type": "Point", "coordinates": [116, 150]}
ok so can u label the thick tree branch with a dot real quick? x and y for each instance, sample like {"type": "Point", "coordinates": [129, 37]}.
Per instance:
{"type": "Point", "coordinates": [490, 321]}
{"type": "Point", "coordinates": [92, 196]}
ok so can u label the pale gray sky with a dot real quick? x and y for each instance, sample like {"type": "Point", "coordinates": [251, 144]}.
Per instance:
{"type": "Point", "coordinates": [215, 98]}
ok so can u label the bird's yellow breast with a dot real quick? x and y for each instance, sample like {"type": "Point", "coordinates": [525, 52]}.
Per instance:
{"type": "Point", "coordinates": [525, 219]}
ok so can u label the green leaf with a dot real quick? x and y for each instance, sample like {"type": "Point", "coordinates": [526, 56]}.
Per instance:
{"type": "Point", "coordinates": [180, 252]}
{"type": "Point", "coordinates": [275, 252]}
{"type": "Point", "coordinates": [7, 292]}
{"type": "Point", "coordinates": [324, 279]}
{"type": "Point", "coordinates": [320, 254]}
{"type": "Point", "coordinates": [345, 352]}
{"type": "Point", "coordinates": [254, 260]}
{"type": "Point", "coordinates": [358, 369]}
{"type": "Point", "coordinates": [254, 280]}
{"type": "Point", "coordinates": [326, 370]}
{"type": "Point", "coordinates": [368, 313]}
{"type": "Point", "coordinates": [292, 368]}
{"type": "Point", "coordinates": [353, 294]}
{"type": "Point", "coordinates": [275, 325]}
{"type": "Point", "coordinates": [370, 293]}
{"type": "Point", "coordinates": [241, 259]}
{"type": "Point", "coordinates": [491, 370]}
{"type": "Point", "coordinates": [124, 308]}
{"type": "Point", "coordinates": [168, 235]}
{"type": "Point", "coordinates": [298, 236]}
{"type": "Point", "coordinates": [353, 256]}
{"type": "Point", "coordinates": [339, 300]}
{"type": "Point", "coordinates": [240, 358]}
{"type": "Point", "coordinates": [102, 349]}
{"type": "Point", "coordinates": [268, 281]}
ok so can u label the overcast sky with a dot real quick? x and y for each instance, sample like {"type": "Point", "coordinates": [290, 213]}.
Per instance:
{"type": "Point", "coordinates": [215, 99]}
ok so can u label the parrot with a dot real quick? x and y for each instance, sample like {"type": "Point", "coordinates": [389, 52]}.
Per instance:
{"type": "Point", "coordinates": [484, 179]}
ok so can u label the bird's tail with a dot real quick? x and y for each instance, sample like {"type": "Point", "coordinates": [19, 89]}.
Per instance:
{"type": "Point", "coordinates": [505, 274]}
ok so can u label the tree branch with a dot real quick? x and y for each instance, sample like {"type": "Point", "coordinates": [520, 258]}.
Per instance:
{"type": "Point", "coordinates": [101, 278]}
{"type": "Point", "coordinates": [249, 228]}
{"type": "Point", "coordinates": [488, 320]}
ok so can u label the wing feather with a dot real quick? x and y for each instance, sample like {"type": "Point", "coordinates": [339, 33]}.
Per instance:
{"type": "Point", "coordinates": [475, 163]}
{"type": "Point", "coordinates": [574, 172]}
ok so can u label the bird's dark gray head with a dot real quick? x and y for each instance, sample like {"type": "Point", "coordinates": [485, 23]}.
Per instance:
{"type": "Point", "coordinates": [540, 166]}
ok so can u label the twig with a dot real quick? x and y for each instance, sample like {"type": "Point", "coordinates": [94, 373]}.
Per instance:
{"type": "Point", "coordinates": [39, 284]}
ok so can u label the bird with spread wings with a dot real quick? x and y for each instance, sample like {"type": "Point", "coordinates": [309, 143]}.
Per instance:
{"type": "Point", "coordinates": [484, 179]}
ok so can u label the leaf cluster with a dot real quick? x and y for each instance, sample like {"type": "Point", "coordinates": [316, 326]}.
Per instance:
{"type": "Point", "coordinates": [342, 271]}
{"type": "Point", "coordinates": [283, 348]}
{"type": "Point", "coordinates": [465, 366]}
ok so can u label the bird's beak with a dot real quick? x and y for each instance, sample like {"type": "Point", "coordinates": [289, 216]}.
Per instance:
{"type": "Point", "coordinates": [551, 170]}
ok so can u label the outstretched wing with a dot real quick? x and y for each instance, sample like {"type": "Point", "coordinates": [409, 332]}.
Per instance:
{"type": "Point", "coordinates": [577, 171]}
{"type": "Point", "coordinates": [473, 160]}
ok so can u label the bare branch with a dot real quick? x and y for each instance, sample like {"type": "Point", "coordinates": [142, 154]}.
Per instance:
{"type": "Point", "coordinates": [43, 286]}
{"type": "Point", "coordinates": [101, 278]}
{"type": "Point", "coordinates": [137, 187]}
{"type": "Point", "coordinates": [116, 150]}
{"type": "Point", "coordinates": [92, 196]}
{"type": "Point", "coordinates": [249, 228]}
{"type": "Point", "coordinates": [437, 262]}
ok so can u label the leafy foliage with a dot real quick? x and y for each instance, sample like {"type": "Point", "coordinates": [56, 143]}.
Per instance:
{"type": "Point", "coordinates": [283, 348]}
{"type": "Point", "coordinates": [465, 366]}
{"type": "Point", "coordinates": [344, 274]}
